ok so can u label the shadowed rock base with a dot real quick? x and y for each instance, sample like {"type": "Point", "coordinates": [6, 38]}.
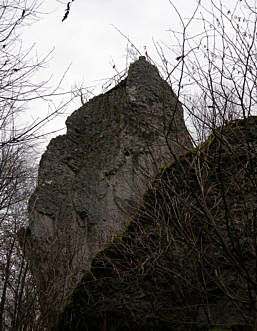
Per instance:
{"type": "Point", "coordinates": [187, 260]}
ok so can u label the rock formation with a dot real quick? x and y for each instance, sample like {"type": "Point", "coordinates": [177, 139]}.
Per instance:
{"type": "Point", "coordinates": [187, 260]}
{"type": "Point", "coordinates": [91, 179]}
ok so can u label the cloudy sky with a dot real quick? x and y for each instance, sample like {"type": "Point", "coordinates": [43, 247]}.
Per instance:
{"type": "Point", "coordinates": [88, 41]}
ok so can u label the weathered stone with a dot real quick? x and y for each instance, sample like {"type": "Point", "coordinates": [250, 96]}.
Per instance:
{"type": "Point", "coordinates": [90, 179]}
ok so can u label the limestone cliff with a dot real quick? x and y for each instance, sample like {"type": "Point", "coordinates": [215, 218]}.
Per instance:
{"type": "Point", "coordinates": [91, 179]}
{"type": "Point", "coordinates": [187, 260]}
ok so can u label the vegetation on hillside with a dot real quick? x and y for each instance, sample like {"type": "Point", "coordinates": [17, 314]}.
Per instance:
{"type": "Point", "coordinates": [187, 261]}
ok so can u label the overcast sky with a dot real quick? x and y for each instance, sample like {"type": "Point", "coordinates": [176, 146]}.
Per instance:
{"type": "Point", "coordinates": [89, 43]}
{"type": "Point", "coordinates": [88, 39]}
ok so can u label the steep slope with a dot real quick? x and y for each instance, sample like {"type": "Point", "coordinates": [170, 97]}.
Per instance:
{"type": "Point", "coordinates": [187, 261]}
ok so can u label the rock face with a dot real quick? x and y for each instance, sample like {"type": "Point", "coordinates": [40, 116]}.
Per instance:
{"type": "Point", "coordinates": [90, 180]}
{"type": "Point", "coordinates": [187, 260]}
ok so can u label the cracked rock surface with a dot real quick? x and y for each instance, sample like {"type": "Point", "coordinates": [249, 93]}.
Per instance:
{"type": "Point", "coordinates": [91, 179]}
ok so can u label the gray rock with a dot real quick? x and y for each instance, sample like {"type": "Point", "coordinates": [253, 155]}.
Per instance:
{"type": "Point", "coordinates": [91, 179]}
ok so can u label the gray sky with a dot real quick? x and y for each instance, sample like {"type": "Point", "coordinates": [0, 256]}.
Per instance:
{"type": "Point", "coordinates": [88, 42]}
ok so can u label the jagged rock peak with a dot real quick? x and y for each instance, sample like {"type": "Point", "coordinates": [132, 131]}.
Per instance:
{"type": "Point", "coordinates": [91, 179]}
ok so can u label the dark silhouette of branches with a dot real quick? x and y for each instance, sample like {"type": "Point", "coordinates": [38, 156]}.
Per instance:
{"type": "Point", "coordinates": [19, 309]}
{"type": "Point", "coordinates": [67, 11]}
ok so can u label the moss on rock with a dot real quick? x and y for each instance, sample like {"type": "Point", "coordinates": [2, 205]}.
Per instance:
{"type": "Point", "coordinates": [163, 271]}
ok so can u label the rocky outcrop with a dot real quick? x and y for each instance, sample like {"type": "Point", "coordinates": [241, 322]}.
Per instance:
{"type": "Point", "coordinates": [187, 260]}
{"type": "Point", "coordinates": [91, 179]}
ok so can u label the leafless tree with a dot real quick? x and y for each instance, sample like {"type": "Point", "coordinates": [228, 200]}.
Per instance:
{"type": "Point", "coordinates": [216, 60]}
{"type": "Point", "coordinates": [19, 308]}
